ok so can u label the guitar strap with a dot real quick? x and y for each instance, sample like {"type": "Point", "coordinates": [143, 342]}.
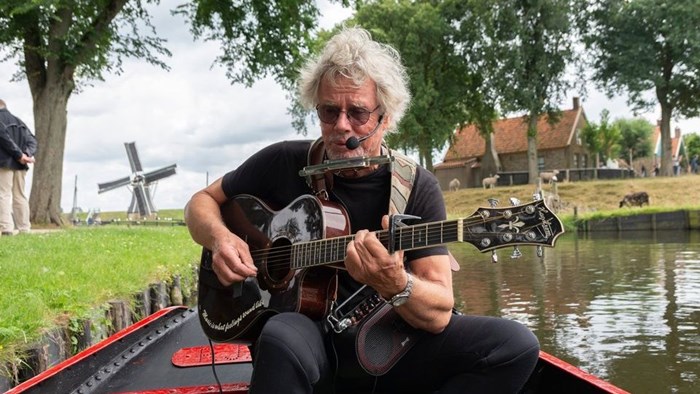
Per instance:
{"type": "Point", "coordinates": [383, 338]}
{"type": "Point", "coordinates": [322, 183]}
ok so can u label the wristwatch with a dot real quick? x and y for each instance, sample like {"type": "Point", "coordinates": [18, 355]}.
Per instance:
{"type": "Point", "coordinates": [402, 297]}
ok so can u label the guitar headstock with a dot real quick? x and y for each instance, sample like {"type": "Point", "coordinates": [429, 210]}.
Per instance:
{"type": "Point", "coordinates": [491, 228]}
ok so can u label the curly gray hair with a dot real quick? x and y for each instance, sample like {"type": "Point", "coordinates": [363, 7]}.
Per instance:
{"type": "Point", "coordinates": [353, 54]}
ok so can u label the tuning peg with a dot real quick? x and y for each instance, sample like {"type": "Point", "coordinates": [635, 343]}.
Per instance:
{"type": "Point", "coordinates": [493, 202]}
{"type": "Point", "coordinates": [514, 201]}
{"type": "Point", "coordinates": [540, 251]}
{"type": "Point", "coordinates": [516, 253]}
{"type": "Point", "coordinates": [494, 257]}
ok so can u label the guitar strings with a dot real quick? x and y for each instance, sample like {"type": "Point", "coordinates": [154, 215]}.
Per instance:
{"type": "Point", "coordinates": [280, 256]}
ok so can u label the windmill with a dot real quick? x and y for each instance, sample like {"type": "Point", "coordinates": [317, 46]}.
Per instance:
{"type": "Point", "coordinates": [76, 209]}
{"type": "Point", "coordinates": [140, 183]}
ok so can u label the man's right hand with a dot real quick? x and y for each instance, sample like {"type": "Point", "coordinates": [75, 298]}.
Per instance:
{"type": "Point", "coordinates": [231, 259]}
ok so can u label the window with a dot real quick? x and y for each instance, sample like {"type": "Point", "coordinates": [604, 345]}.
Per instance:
{"type": "Point", "coordinates": [540, 163]}
{"type": "Point", "coordinates": [575, 160]}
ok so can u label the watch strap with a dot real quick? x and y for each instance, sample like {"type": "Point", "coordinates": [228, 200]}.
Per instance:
{"type": "Point", "coordinates": [402, 296]}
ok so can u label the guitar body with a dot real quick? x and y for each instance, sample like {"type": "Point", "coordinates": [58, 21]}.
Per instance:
{"type": "Point", "coordinates": [238, 312]}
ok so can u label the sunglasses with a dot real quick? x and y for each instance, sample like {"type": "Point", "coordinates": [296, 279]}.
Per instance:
{"type": "Point", "coordinates": [357, 116]}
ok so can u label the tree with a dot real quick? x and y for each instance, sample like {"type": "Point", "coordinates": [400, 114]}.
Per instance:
{"type": "Point", "coordinates": [531, 44]}
{"type": "Point", "coordinates": [635, 137]}
{"type": "Point", "coordinates": [645, 46]}
{"type": "Point", "coordinates": [61, 45]}
{"type": "Point", "coordinates": [440, 83]}
{"type": "Point", "coordinates": [602, 139]}
{"type": "Point", "coordinates": [474, 28]}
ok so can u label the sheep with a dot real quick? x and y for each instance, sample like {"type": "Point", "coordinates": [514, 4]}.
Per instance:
{"type": "Point", "coordinates": [632, 199]}
{"type": "Point", "coordinates": [454, 185]}
{"type": "Point", "coordinates": [490, 182]}
{"type": "Point", "coordinates": [549, 176]}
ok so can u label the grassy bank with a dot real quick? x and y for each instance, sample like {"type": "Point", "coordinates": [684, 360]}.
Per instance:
{"type": "Point", "coordinates": [591, 199]}
{"type": "Point", "coordinates": [50, 277]}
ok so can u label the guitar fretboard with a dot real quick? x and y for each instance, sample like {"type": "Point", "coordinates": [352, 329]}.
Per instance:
{"type": "Point", "coordinates": [332, 250]}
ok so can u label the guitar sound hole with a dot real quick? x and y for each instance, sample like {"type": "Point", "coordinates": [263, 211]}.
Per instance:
{"type": "Point", "coordinates": [279, 259]}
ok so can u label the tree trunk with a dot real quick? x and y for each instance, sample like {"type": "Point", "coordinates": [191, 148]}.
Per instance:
{"type": "Point", "coordinates": [666, 146]}
{"type": "Point", "coordinates": [532, 168]}
{"type": "Point", "coordinates": [631, 153]}
{"type": "Point", "coordinates": [488, 162]}
{"type": "Point", "coordinates": [426, 157]}
{"type": "Point", "coordinates": [50, 119]}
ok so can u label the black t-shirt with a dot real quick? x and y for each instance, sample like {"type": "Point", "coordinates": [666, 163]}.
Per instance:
{"type": "Point", "coordinates": [272, 175]}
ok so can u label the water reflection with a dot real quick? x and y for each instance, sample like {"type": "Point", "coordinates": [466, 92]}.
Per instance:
{"type": "Point", "coordinates": [625, 307]}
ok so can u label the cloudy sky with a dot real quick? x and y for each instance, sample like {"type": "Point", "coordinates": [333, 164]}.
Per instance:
{"type": "Point", "coordinates": [190, 116]}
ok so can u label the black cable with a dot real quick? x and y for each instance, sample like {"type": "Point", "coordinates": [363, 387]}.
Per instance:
{"type": "Point", "coordinates": [337, 365]}
{"type": "Point", "coordinates": [213, 367]}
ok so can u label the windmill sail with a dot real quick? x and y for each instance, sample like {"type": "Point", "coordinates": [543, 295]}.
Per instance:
{"type": "Point", "coordinates": [159, 174]}
{"type": "Point", "coordinates": [142, 200]}
{"type": "Point", "coordinates": [107, 186]}
{"type": "Point", "coordinates": [133, 156]}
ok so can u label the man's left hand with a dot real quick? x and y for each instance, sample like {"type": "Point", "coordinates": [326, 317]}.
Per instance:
{"type": "Point", "coordinates": [368, 261]}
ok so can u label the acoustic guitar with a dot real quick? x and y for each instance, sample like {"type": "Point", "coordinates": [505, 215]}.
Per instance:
{"type": "Point", "coordinates": [293, 248]}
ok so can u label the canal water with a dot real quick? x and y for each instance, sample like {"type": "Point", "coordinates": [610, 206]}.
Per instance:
{"type": "Point", "coordinates": [623, 306]}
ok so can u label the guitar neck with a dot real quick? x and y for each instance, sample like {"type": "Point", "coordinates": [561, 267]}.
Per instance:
{"type": "Point", "coordinates": [486, 229]}
{"type": "Point", "coordinates": [332, 250]}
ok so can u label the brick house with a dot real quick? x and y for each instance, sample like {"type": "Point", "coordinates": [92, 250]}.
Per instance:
{"type": "Point", "coordinates": [558, 147]}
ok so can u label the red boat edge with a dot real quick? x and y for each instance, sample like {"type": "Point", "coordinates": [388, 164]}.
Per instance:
{"type": "Point", "coordinates": [167, 352]}
{"type": "Point", "coordinates": [579, 375]}
{"type": "Point", "coordinates": [75, 360]}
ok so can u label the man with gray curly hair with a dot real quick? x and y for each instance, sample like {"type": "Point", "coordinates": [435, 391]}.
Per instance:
{"type": "Point", "coordinates": [353, 55]}
{"type": "Point", "coordinates": [359, 89]}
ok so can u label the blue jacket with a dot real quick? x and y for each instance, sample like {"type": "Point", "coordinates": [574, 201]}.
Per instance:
{"type": "Point", "coordinates": [15, 139]}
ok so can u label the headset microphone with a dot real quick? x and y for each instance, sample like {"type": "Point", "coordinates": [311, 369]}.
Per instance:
{"type": "Point", "coordinates": [353, 142]}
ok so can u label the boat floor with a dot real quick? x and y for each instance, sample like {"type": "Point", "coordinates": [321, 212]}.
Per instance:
{"type": "Point", "coordinates": [169, 353]}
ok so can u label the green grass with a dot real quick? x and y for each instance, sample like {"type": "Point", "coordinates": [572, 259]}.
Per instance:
{"type": "Point", "coordinates": [48, 278]}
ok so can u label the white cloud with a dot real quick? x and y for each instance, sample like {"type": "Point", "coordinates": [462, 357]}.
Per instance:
{"type": "Point", "coordinates": [191, 116]}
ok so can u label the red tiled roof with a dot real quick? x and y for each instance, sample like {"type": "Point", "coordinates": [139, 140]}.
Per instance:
{"type": "Point", "coordinates": [510, 136]}
{"type": "Point", "coordinates": [472, 163]}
